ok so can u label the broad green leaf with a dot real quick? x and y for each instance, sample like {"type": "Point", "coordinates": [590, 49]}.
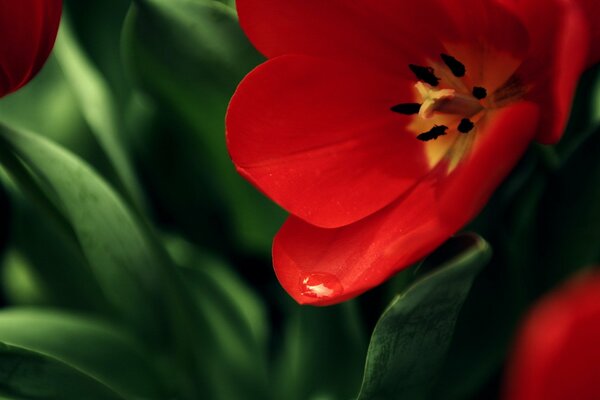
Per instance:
{"type": "Point", "coordinates": [27, 374]}
{"type": "Point", "coordinates": [412, 336]}
{"type": "Point", "coordinates": [131, 267]}
{"type": "Point", "coordinates": [116, 247]}
{"type": "Point", "coordinates": [322, 354]}
{"type": "Point", "coordinates": [232, 331]}
{"type": "Point", "coordinates": [98, 26]}
{"type": "Point", "coordinates": [193, 79]}
{"type": "Point", "coordinates": [49, 259]}
{"type": "Point", "coordinates": [95, 348]}
{"type": "Point", "coordinates": [97, 104]}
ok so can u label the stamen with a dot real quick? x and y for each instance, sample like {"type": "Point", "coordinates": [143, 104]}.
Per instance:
{"type": "Point", "coordinates": [434, 133]}
{"type": "Point", "coordinates": [466, 125]}
{"type": "Point", "coordinates": [425, 74]}
{"type": "Point", "coordinates": [406, 108]}
{"type": "Point", "coordinates": [457, 68]}
{"type": "Point", "coordinates": [479, 92]}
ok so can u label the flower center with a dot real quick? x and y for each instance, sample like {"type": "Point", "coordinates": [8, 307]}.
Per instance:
{"type": "Point", "coordinates": [446, 101]}
{"type": "Point", "coordinates": [449, 109]}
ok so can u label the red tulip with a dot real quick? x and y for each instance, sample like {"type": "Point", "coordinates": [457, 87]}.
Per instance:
{"type": "Point", "coordinates": [557, 355]}
{"type": "Point", "coordinates": [384, 126]}
{"type": "Point", "coordinates": [592, 10]}
{"type": "Point", "coordinates": [28, 30]}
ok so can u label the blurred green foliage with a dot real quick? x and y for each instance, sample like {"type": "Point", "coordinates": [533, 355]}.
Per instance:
{"type": "Point", "coordinates": [136, 262]}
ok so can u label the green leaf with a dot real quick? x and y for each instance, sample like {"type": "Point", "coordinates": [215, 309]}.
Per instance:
{"type": "Point", "coordinates": [130, 265]}
{"type": "Point", "coordinates": [20, 284]}
{"type": "Point", "coordinates": [116, 247]}
{"type": "Point", "coordinates": [193, 79]}
{"type": "Point", "coordinates": [47, 95]}
{"type": "Point", "coordinates": [232, 332]}
{"type": "Point", "coordinates": [95, 348]}
{"type": "Point", "coordinates": [412, 336]}
{"type": "Point", "coordinates": [322, 353]}
{"type": "Point", "coordinates": [97, 104]}
{"type": "Point", "coordinates": [49, 259]}
{"type": "Point", "coordinates": [26, 374]}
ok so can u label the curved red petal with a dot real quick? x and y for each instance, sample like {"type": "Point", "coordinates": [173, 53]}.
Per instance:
{"type": "Point", "coordinates": [488, 24]}
{"type": "Point", "coordinates": [591, 9]}
{"type": "Point", "coordinates": [382, 33]}
{"type": "Point", "coordinates": [326, 266]}
{"type": "Point", "coordinates": [557, 354]}
{"type": "Point", "coordinates": [28, 29]}
{"type": "Point", "coordinates": [559, 37]}
{"type": "Point", "coordinates": [318, 137]}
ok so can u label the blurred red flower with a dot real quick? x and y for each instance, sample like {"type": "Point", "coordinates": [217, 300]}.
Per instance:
{"type": "Point", "coordinates": [384, 126]}
{"type": "Point", "coordinates": [557, 354]}
{"type": "Point", "coordinates": [28, 30]}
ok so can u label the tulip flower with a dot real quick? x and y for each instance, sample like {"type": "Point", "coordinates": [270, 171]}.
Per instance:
{"type": "Point", "coordinates": [383, 127]}
{"type": "Point", "coordinates": [28, 29]}
{"type": "Point", "coordinates": [557, 353]}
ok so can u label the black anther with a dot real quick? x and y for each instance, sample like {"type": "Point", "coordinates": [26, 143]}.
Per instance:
{"type": "Point", "coordinates": [425, 74]}
{"type": "Point", "coordinates": [457, 68]}
{"type": "Point", "coordinates": [479, 92]}
{"type": "Point", "coordinates": [434, 133]}
{"type": "Point", "coordinates": [466, 125]}
{"type": "Point", "coordinates": [406, 108]}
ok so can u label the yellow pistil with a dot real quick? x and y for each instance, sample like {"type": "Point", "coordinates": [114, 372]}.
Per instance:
{"type": "Point", "coordinates": [446, 101]}
{"type": "Point", "coordinates": [432, 99]}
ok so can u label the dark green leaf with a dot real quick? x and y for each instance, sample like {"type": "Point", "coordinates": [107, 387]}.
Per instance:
{"type": "Point", "coordinates": [322, 353]}
{"type": "Point", "coordinates": [97, 349]}
{"type": "Point", "coordinates": [48, 94]}
{"type": "Point", "coordinates": [131, 267]}
{"type": "Point", "coordinates": [232, 331]}
{"type": "Point", "coordinates": [411, 338]}
{"type": "Point", "coordinates": [116, 247]}
{"type": "Point", "coordinates": [193, 78]}
{"type": "Point", "coordinates": [97, 106]}
{"type": "Point", "coordinates": [26, 374]}
{"type": "Point", "coordinates": [48, 257]}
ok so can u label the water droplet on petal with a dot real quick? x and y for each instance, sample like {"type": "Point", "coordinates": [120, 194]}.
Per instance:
{"type": "Point", "coordinates": [320, 285]}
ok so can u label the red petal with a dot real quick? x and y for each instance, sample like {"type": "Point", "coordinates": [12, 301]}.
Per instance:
{"type": "Point", "coordinates": [591, 9]}
{"type": "Point", "coordinates": [382, 33]}
{"type": "Point", "coordinates": [327, 266]}
{"type": "Point", "coordinates": [557, 353]}
{"type": "Point", "coordinates": [485, 24]}
{"type": "Point", "coordinates": [28, 30]}
{"type": "Point", "coordinates": [319, 138]}
{"type": "Point", "coordinates": [559, 47]}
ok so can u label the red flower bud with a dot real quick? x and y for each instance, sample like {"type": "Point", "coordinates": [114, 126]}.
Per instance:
{"type": "Point", "coordinates": [27, 29]}
{"type": "Point", "coordinates": [557, 353]}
